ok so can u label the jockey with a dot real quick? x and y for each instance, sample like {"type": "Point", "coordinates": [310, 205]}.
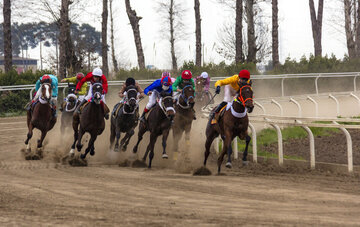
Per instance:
{"type": "Point", "coordinates": [181, 82]}
{"type": "Point", "coordinates": [50, 79]}
{"type": "Point", "coordinates": [76, 79]}
{"type": "Point", "coordinates": [154, 90]}
{"type": "Point", "coordinates": [206, 85]}
{"type": "Point", "coordinates": [129, 82]}
{"type": "Point", "coordinates": [232, 86]}
{"type": "Point", "coordinates": [96, 76]}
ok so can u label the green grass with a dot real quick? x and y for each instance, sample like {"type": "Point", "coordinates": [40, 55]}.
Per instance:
{"type": "Point", "coordinates": [13, 114]}
{"type": "Point", "coordinates": [269, 136]}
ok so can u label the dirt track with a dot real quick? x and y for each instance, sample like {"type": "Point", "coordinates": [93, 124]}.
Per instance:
{"type": "Point", "coordinates": [48, 193]}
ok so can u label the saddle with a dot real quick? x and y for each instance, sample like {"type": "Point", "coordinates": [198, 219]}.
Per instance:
{"type": "Point", "coordinates": [83, 106]}
{"type": "Point", "coordinates": [147, 114]}
{"type": "Point", "coordinates": [218, 115]}
{"type": "Point", "coordinates": [118, 109]}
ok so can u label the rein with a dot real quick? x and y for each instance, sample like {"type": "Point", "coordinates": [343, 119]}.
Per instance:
{"type": "Point", "coordinates": [240, 99]}
{"type": "Point", "coordinates": [186, 99]}
{"type": "Point", "coordinates": [67, 102]}
{"type": "Point", "coordinates": [163, 108]}
{"type": "Point", "coordinates": [128, 99]}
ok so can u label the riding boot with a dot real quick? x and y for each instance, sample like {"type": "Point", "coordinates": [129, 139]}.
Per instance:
{"type": "Point", "coordinates": [142, 118]}
{"type": "Point", "coordinates": [217, 110]}
{"type": "Point", "coordinates": [79, 107]}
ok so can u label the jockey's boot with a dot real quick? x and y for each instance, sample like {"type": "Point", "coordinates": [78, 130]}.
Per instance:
{"type": "Point", "coordinates": [79, 107]}
{"type": "Point", "coordinates": [142, 118]}
{"type": "Point", "coordinates": [217, 110]}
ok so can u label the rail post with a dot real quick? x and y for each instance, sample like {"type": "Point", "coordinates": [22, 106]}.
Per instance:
{"type": "Point", "coordinates": [349, 147]}
{"type": "Point", "coordinates": [316, 106]}
{"type": "Point", "coordinates": [278, 105]}
{"type": "Point", "coordinates": [298, 105]}
{"type": "Point", "coordinates": [337, 104]}
{"type": "Point", "coordinates": [254, 142]}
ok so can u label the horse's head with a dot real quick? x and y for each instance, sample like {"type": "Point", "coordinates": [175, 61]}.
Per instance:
{"type": "Point", "coordinates": [199, 85]}
{"type": "Point", "coordinates": [97, 90]}
{"type": "Point", "coordinates": [71, 101]}
{"type": "Point", "coordinates": [188, 94]}
{"type": "Point", "coordinates": [245, 96]}
{"type": "Point", "coordinates": [167, 103]}
{"type": "Point", "coordinates": [46, 92]}
{"type": "Point", "coordinates": [131, 96]}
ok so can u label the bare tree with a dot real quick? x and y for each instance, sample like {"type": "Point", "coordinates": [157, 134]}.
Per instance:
{"type": "Point", "coordinates": [316, 24]}
{"type": "Point", "coordinates": [116, 67]}
{"type": "Point", "coordinates": [348, 29]}
{"type": "Point", "coordinates": [171, 13]}
{"type": "Point", "coordinates": [357, 24]}
{"type": "Point", "coordinates": [134, 21]}
{"type": "Point", "coordinates": [7, 35]}
{"type": "Point", "coordinates": [252, 49]}
{"type": "Point", "coordinates": [104, 45]}
{"type": "Point", "coordinates": [275, 33]}
{"type": "Point", "coordinates": [64, 24]}
{"type": "Point", "coordinates": [238, 32]}
{"type": "Point", "coordinates": [198, 32]}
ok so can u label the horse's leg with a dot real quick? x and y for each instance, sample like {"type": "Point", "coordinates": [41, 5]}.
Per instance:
{"type": "Point", "coordinates": [142, 130]}
{"type": "Point", "coordinates": [29, 135]}
{"type": "Point", "coordinates": [164, 139]}
{"type": "Point", "coordinates": [125, 141]}
{"type": "Point", "coordinates": [209, 139]}
{"type": "Point", "coordinates": [229, 152]}
{"type": "Point", "coordinates": [244, 159]}
{"type": "Point", "coordinates": [226, 145]}
{"type": "Point", "coordinates": [90, 147]}
{"type": "Point", "coordinates": [177, 137]}
{"type": "Point", "coordinates": [112, 135]}
{"type": "Point", "coordinates": [79, 145]}
{"type": "Point", "coordinates": [40, 141]}
{"type": "Point", "coordinates": [153, 138]}
{"type": "Point", "coordinates": [118, 134]}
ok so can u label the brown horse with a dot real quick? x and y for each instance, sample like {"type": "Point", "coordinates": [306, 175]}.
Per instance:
{"type": "Point", "coordinates": [125, 120]}
{"type": "Point", "coordinates": [91, 120]}
{"type": "Point", "coordinates": [184, 115]}
{"type": "Point", "coordinates": [202, 97]}
{"type": "Point", "coordinates": [68, 108]}
{"type": "Point", "coordinates": [234, 122]}
{"type": "Point", "coordinates": [40, 116]}
{"type": "Point", "coordinates": [158, 123]}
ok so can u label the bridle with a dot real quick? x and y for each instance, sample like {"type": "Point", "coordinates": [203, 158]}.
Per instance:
{"type": "Point", "coordinates": [240, 99]}
{"type": "Point", "coordinates": [97, 94]}
{"type": "Point", "coordinates": [67, 102]}
{"type": "Point", "coordinates": [41, 98]}
{"type": "Point", "coordinates": [162, 106]}
{"type": "Point", "coordinates": [128, 101]}
{"type": "Point", "coordinates": [186, 99]}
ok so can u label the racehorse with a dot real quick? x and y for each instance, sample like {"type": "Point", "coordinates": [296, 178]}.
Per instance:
{"type": "Point", "coordinates": [40, 116]}
{"type": "Point", "coordinates": [185, 115]}
{"type": "Point", "coordinates": [202, 97]}
{"type": "Point", "coordinates": [158, 123]}
{"type": "Point", "coordinates": [234, 122]}
{"type": "Point", "coordinates": [68, 108]}
{"type": "Point", "coordinates": [125, 120]}
{"type": "Point", "coordinates": [91, 120]}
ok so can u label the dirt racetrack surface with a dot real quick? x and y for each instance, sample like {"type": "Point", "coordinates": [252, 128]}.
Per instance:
{"type": "Point", "coordinates": [47, 192]}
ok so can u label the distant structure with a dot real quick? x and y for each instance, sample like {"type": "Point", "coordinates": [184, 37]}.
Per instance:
{"type": "Point", "coordinates": [20, 64]}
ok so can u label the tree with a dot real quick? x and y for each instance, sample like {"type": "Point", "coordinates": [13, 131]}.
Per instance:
{"type": "Point", "coordinates": [7, 35]}
{"type": "Point", "coordinates": [316, 25]}
{"type": "Point", "coordinates": [116, 67]}
{"type": "Point", "coordinates": [64, 24]}
{"type": "Point", "coordinates": [197, 32]}
{"type": "Point", "coordinates": [171, 13]}
{"type": "Point", "coordinates": [238, 32]}
{"type": "Point", "coordinates": [104, 38]}
{"type": "Point", "coordinates": [252, 48]}
{"type": "Point", "coordinates": [275, 34]}
{"type": "Point", "coordinates": [134, 21]}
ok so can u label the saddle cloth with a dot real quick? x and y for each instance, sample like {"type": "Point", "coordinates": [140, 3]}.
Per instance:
{"type": "Point", "coordinates": [219, 115]}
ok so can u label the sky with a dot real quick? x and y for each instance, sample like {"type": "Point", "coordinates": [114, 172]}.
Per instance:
{"type": "Point", "coordinates": [295, 34]}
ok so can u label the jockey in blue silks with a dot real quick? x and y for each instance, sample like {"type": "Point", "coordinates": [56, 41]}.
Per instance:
{"type": "Point", "coordinates": [48, 78]}
{"type": "Point", "coordinates": [154, 90]}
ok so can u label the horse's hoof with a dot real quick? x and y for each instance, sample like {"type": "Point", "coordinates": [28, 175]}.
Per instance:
{"type": "Point", "coordinates": [165, 156]}
{"type": "Point", "coordinates": [79, 146]}
{"type": "Point", "coordinates": [82, 156]}
{"type": "Point", "coordinates": [116, 149]}
{"type": "Point", "coordinates": [92, 152]}
{"type": "Point", "coordinates": [123, 148]}
{"type": "Point", "coordinates": [228, 165]}
{"type": "Point", "coordinates": [35, 157]}
{"type": "Point", "coordinates": [245, 163]}
{"type": "Point", "coordinates": [71, 153]}
{"type": "Point", "coordinates": [135, 149]}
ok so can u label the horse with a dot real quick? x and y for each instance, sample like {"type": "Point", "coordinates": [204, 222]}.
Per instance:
{"type": "Point", "coordinates": [234, 122]}
{"type": "Point", "coordinates": [185, 115]}
{"type": "Point", "coordinates": [125, 120]}
{"type": "Point", "coordinates": [40, 116]}
{"type": "Point", "coordinates": [202, 97]}
{"type": "Point", "coordinates": [91, 120]}
{"type": "Point", "coordinates": [158, 123]}
{"type": "Point", "coordinates": [68, 107]}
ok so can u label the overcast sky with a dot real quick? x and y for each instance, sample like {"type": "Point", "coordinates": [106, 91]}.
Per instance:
{"type": "Point", "coordinates": [294, 30]}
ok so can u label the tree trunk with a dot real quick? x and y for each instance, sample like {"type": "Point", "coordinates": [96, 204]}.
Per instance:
{"type": "Point", "coordinates": [357, 38]}
{"type": "Point", "coordinates": [116, 68]}
{"type": "Point", "coordinates": [275, 33]}
{"type": "Point", "coordinates": [198, 32]}
{"type": "Point", "coordinates": [252, 49]}
{"type": "Point", "coordinates": [316, 24]}
{"type": "Point", "coordinates": [104, 46]}
{"type": "Point", "coordinates": [134, 21]}
{"type": "Point", "coordinates": [172, 37]}
{"type": "Point", "coordinates": [64, 27]}
{"type": "Point", "coordinates": [238, 32]}
{"type": "Point", "coordinates": [7, 35]}
{"type": "Point", "coordinates": [349, 33]}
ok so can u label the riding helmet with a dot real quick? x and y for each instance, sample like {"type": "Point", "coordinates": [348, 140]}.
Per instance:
{"type": "Point", "coordinates": [130, 81]}
{"type": "Point", "coordinates": [97, 72]}
{"type": "Point", "coordinates": [79, 76]}
{"type": "Point", "coordinates": [165, 74]}
{"type": "Point", "coordinates": [166, 81]}
{"type": "Point", "coordinates": [204, 75]}
{"type": "Point", "coordinates": [244, 74]}
{"type": "Point", "coordinates": [45, 79]}
{"type": "Point", "coordinates": [186, 75]}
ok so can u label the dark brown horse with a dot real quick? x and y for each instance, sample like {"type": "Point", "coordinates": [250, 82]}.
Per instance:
{"type": "Point", "coordinates": [125, 120]}
{"type": "Point", "coordinates": [234, 122]}
{"type": "Point", "coordinates": [158, 123]}
{"type": "Point", "coordinates": [40, 116]}
{"type": "Point", "coordinates": [184, 115]}
{"type": "Point", "coordinates": [91, 120]}
{"type": "Point", "coordinates": [68, 107]}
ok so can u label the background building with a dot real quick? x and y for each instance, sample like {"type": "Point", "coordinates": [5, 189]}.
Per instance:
{"type": "Point", "coordinates": [21, 64]}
